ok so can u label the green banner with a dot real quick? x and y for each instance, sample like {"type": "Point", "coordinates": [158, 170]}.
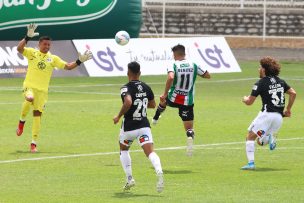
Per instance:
{"type": "Point", "coordinates": [70, 19]}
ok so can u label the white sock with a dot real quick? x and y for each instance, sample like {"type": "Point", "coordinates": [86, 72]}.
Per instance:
{"type": "Point", "coordinates": [155, 162]}
{"type": "Point", "coordinates": [125, 160]}
{"type": "Point", "coordinates": [250, 150]}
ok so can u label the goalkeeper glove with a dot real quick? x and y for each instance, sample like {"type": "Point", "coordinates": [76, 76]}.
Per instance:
{"type": "Point", "coordinates": [87, 55]}
{"type": "Point", "coordinates": [31, 32]}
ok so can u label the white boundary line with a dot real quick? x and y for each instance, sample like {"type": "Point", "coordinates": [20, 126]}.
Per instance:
{"type": "Point", "coordinates": [159, 149]}
{"type": "Point", "coordinates": [80, 92]}
{"type": "Point", "coordinates": [11, 88]}
{"type": "Point", "coordinates": [66, 101]}
{"type": "Point", "coordinates": [159, 83]}
{"type": "Point", "coordinates": [14, 88]}
{"type": "Point", "coordinates": [7, 88]}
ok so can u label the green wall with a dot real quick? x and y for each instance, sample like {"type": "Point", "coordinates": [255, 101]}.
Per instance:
{"type": "Point", "coordinates": [114, 15]}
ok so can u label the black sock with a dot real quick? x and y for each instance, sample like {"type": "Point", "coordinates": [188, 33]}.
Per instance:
{"type": "Point", "coordinates": [159, 110]}
{"type": "Point", "coordinates": [157, 114]}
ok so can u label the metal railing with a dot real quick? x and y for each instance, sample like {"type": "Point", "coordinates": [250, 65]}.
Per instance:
{"type": "Point", "coordinates": [259, 5]}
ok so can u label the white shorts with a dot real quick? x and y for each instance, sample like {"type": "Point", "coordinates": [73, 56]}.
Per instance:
{"type": "Point", "coordinates": [266, 123]}
{"type": "Point", "coordinates": [143, 136]}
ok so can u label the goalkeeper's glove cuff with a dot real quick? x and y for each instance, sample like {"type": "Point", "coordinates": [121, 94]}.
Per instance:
{"type": "Point", "coordinates": [78, 62]}
{"type": "Point", "coordinates": [26, 38]}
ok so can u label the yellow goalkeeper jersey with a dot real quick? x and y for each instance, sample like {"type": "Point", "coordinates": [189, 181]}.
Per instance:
{"type": "Point", "coordinates": [40, 68]}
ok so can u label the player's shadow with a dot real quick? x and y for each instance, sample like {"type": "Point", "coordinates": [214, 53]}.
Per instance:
{"type": "Point", "coordinates": [124, 195]}
{"type": "Point", "coordinates": [177, 172]}
{"type": "Point", "coordinates": [39, 152]}
{"type": "Point", "coordinates": [111, 165]}
{"type": "Point", "coordinates": [270, 169]}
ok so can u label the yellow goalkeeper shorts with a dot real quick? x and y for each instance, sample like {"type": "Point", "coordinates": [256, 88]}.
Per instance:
{"type": "Point", "coordinates": [40, 98]}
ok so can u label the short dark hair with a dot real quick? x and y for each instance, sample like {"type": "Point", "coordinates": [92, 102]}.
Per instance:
{"type": "Point", "coordinates": [44, 38]}
{"type": "Point", "coordinates": [179, 49]}
{"type": "Point", "coordinates": [134, 67]}
{"type": "Point", "coordinates": [271, 66]}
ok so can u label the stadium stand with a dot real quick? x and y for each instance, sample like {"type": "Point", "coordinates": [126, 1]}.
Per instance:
{"type": "Point", "coordinates": [227, 3]}
{"type": "Point", "coordinates": [280, 18]}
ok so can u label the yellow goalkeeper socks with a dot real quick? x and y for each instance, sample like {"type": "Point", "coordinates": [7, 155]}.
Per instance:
{"type": "Point", "coordinates": [25, 109]}
{"type": "Point", "coordinates": [36, 128]}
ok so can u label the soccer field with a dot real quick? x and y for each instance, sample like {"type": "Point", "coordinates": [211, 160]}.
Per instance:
{"type": "Point", "coordinates": [78, 158]}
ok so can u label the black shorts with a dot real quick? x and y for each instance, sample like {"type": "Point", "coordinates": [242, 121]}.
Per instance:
{"type": "Point", "coordinates": [185, 112]}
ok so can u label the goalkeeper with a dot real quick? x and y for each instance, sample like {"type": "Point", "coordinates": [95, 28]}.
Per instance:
{"type": "Point", "coordinates": [41, 64]}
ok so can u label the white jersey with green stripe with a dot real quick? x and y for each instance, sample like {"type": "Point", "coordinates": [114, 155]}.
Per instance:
{"type": "Point", "coordinates": [183, 88]}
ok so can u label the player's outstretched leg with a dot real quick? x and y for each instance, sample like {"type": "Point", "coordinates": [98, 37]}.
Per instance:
{"type": "Point", "coordinates": [26, 106]}
{"type": "Point", "coordinates": [125, 160]}
{"type": "Point", "coordinates": [187, 117]}
{"type": "Point", "coordinates": [190, 138]}
{"type": "Point", "coordinates": [160, 109]}
{"type": "Point", "coordinates": [24, 111]}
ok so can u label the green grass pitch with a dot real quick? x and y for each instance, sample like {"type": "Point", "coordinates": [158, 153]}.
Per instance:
{"type": "Point", "coordinates": [78, 121]}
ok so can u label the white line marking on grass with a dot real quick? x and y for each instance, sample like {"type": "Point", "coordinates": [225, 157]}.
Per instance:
{"type": "Point", "coordinates": [67, 101]}
{"type": "Point", "coordinates": [266, 148]}
{"type": "Point", "coordinates": [162, 83]}
{"type": "Point", "coordinates": [116, 94]}
{"type": "Point", "coordinates": [11, 88]}
{"type": "Point", "coordinates": [58, 157]}
{"type": "Point", "coordinates": [19, 88]}
{"type": "Point", "coordinates": [80, 92]}
{"type": "Point", "coordinates": [155, 83]}
{"type": "Point", "coordinates": [207, 146]}
{"type": "Point", "coordinates": [93, 93]}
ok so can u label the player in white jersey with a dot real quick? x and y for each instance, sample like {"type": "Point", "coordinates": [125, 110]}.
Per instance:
{"type": "Point", "coordinates": [179, 91]}
{"type": "Point", "coordinates": [272, 90]}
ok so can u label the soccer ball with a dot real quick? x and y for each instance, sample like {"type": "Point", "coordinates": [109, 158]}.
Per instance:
{"type": "Point", "coordinates": [122, 38]}
{"type": "Point", "coordinates": [264, 140]}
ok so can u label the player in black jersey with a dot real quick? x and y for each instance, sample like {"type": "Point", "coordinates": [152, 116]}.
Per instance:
{"type": "Point", "coordinates": [137, 97]}
{"type": "Point", "coordinates": [272, 90]}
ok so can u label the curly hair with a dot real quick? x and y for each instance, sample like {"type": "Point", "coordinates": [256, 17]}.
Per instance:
{"type": "Point", "coordinates": [271, 66]}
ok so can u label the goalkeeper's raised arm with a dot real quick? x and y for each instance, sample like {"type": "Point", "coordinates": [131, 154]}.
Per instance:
{"type": "Point", "coordinates": [29, 35]}
{"type": "Point", "coordinates": [87, 55]}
